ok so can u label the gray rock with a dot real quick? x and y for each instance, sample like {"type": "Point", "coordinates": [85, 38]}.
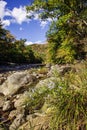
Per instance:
{"type": "Point", "coordinates": [2, 99]}
{"type": "Point", "coordinates": [47, 83]}
{"type": "Point", "coordinates": [6, 106]}
{"type": "Point", "coordinates": [14, 82]}
{"type": "Point", "coordinates": [1, 80]}
{"type": "Point", "coordinates": [17, 122]}
{"type": "Point", "coordinates": [40, 76]}
{"type": "Point", "coordinates": [59, 70]}
{"type": "Point", "coordinates": [15, 113]}
{"type": "Point", "coordinates": [20, 100]}
{"type": "Point", "coordinates": [36, 123]}
{"type": "Point", "coordinates": [48, 65]}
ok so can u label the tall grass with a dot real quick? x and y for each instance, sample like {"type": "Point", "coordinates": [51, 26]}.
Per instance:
{"type": "Point", "coordinates": [70, 103]}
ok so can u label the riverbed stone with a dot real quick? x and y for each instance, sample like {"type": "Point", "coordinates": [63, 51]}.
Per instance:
{"type": "Point", "coordinates": [6, 105]}
{"type": "Point", "coordinates": [2, 100]}
{"type": "Point", "coordinates": [17, 122]}
{"type": "Point", "coordinates": [15, 81]}
{"type": "Point", "coordinates": [36, 123]}
{"type": "Point", "coordinates": [49, 83]}
{"type": "Point", "coordinates": [19, 102]}
{"type": "Point", "coordinates": [56, 70]}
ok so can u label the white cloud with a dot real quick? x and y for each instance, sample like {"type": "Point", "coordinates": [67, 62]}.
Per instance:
{"type": "Point", "coordinates": [4, 12]}
{"type": "Point", "coordinates": [49, 20]}
{"type": "Point", "coordinates": [2, 8]}
{"type": "Point", "coordinates": [43, 24]}
{"type": "Point", "coordinates": [28, 43]}
{"type": "Point", "coordinates": [7, 12]}
{"type": "Point", "coordinates": [19, 14]}
{"type": "Point", "coordinates": [36, 42]}
{"type": "Point", "coordinates": [6, 23]}
{"type": "Point", "coordinates": [36, 17]}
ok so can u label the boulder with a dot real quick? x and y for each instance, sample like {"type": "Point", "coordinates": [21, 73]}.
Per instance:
{"type": "Point", "coordinates": [15, 81]}
{"type": "Point", "coordinates": [59, 70]}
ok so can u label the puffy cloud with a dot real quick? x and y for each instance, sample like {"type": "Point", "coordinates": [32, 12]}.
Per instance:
{"type": "Point", "coordinates": [28, 43]}
{"type": "Point", "coordinates": [7, 12]}
{"type": "Point", "coordinates": [49, 20]}
{"type": "Point", "coordinates": [19, 14]}
{"type": "Point", "coordinates": [36, 16]}
{"type": "Point", "coordinates": [4, 12]}
{"type": "Point", "coordinates": [36, 42]}
{"type": "Point", "coordinates": [43, 24]}
{"type": "Point", "coordinates": [6, 23]}
{"type": "Point", "coordinates": [2, 8]}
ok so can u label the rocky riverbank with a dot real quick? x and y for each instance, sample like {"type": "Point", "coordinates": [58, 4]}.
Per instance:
{"type": "Point", "coordinates": [16, 90]}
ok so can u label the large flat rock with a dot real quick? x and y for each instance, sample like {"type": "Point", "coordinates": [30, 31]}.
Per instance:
{"type": "Point", "coordinates": [14, 82]}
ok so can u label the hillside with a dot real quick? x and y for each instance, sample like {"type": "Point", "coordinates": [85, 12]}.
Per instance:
{"type": "Point", "coordinates": [40, 50]}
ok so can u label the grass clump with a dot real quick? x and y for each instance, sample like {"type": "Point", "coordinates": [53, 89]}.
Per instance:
{"type": "Point", "coordinates": [70, 103]}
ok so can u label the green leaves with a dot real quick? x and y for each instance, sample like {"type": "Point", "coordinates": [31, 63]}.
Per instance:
{"type": "Point", "coordinates": [69, 20]}
{"type": "Point", "coordinates": [66, 52]}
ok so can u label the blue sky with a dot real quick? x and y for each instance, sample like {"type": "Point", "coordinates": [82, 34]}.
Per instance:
{"type": "Point", "coordinates": [13, 16]}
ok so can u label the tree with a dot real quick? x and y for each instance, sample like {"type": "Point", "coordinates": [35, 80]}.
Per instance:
{"type": "Point", "coordinates": [67, 30]}
{"type": "Point", "coordinates": [6, 43]}
{"type": "Point", "coordinates": [12, 50]}
{"type": "Point", "coordinates": [29, 54]}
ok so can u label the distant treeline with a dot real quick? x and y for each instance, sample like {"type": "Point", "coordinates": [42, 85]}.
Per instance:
{"type": "Point", "coordinates": [15, 51]}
